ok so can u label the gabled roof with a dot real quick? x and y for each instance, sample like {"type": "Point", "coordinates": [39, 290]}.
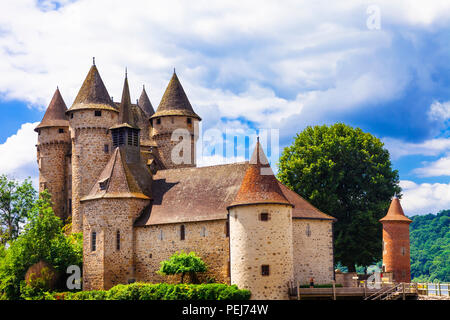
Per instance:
{"type": "Point", "coordinates": [121, 180]}
{"type": "Point", "coordinates": [174, 101]}
{"type": "Point", "coordinates": [145, 104]}
{"type": "Point", "coordinates": [395, 212]}
{"type": "Point", "coordinates": [259, 185]}
{"type": "Point", "coordinates": [55, 116]}
{"type": "Point", "coordinates": [93, 93]}
{"type": "Point", "coordinates": [302, 208]}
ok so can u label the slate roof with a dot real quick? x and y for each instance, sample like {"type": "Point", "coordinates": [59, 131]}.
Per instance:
{"type": "Point", "coordinates": [395, 212]}
{"type": "Point", "coordinates": [127, 116]}
{"type": "Point", "coordinates": [93, 93]}
{"type": "Point", "coordinates": [145, 104]}
{"type": "Point", "coordinates": [122, 180]}
{"type": "Point", "coordinates": [174, 101]}
{"type": "Point", "coordinates": [55, 116]}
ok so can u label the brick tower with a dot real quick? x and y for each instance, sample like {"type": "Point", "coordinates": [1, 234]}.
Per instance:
{"type": "Point", "coordinates": [53, 150]}
{"type": "Point", "coordinates": [90, 117]}
{"type": "Point", "coordinates": [121, 192]}
{"type": "Point", "coordinates": [260, 218]}
{"type": "Point", "coordinates": [396, 258]}
{"type": "Point", "coordinates": [175, 121]}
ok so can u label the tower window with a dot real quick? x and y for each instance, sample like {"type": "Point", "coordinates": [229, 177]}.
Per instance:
{"type": "Point", "coordinates": [264, 216]}
{"type": "Point", "coordinates": [189, 120]}
{"type": "Point", "coordinates": [130, 137]}
{"type": "Point", "coordinates": [308, 230]}
{"type": "Point", "coordinates": [265, 270]}
{"type": "Point", "coordinates": [103, 184]}
{"type": "Point", "coordinates": [71, 116]}
{"type": "Point", "coordinates": [118, 240]}
{"type": "Point", "coordinates": [172, 120]}
{"type": "Point", "coordinates": [94, 241]}
{"type": "Point", "coordinates": [203, 232]}
{"type": "Point", "coordinates": [227, 228]}
{"type": "Point", "coordinates": [135, 138]}
{"type": "Point", "coordinates": [403, 251]}
{"type": "Point", "coordinates": [161, 235]}
{"type": "Point", "coordinates": [158, 121]}
{"type": "Point", "coordinates": [182, 232]}
{"type": "Point", "coordinates": [106, 148]}
{"type": "Point", "coordinates": [60, 130]}
{"type": "Point", "coordinates": [97, 113]}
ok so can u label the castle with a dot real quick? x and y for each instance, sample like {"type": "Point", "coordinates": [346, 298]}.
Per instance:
{"type": "Point", "coordinates": [111, 168]}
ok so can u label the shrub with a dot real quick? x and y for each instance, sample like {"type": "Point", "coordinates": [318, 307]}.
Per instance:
{"type": "Point", "coordinates": [160, 291]}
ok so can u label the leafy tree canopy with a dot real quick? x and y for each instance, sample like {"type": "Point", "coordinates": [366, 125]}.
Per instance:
{"type": "Point", "coordinates": [16, 201]}
{"type": "Point", "coordinates": [346, 173]}
{"type": "Point", "coordinates": [182, 263]}
{"type": "Point", "coordinates": [42, 239]}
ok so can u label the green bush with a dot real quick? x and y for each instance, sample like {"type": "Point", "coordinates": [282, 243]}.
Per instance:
{"type": "Point", "coordinates": [160, 291]}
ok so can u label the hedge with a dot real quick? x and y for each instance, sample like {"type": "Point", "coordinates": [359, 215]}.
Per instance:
{"type": "Point", "coordinates": [160, 291]}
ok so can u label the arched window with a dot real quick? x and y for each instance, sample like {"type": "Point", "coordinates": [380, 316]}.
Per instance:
{"type": "Point", "coordinates": [94, 241]}
{"type": "Point", "coordinates": [118, 240]}
{"type": "Point", "coordinates": [182, 232]}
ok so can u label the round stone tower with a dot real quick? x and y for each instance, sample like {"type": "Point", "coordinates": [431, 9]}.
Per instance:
{"type": "Point", "coordinates": [261, 247]}
{"type": "Point", "coordinates": [90, 117]}
{"type": "Point", "coordinates": [174, 127]}
{"type": "Point", "coordinates": [396, 256]}
{"type": "Point", "coordinates": [53, 150]}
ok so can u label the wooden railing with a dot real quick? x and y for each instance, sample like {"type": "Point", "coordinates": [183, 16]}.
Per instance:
{"type": "Point", "coordinates": [434, 289]}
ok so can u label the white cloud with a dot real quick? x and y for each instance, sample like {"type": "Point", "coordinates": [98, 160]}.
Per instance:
{"type": "Point", "coordinates": [425, 197]}
{"type": "Point", "coordinates": [18, 154]}
{"type": "Point", "coordinates": [433, 147]}
{"type": "Point", "coordinates": [439, 111]}
{"type": "Point", "coordinates": [437, 168]}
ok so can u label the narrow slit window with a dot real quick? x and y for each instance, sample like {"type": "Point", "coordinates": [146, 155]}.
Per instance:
{"type": "Point", "coordinates": [118, 240]}
{"type": "Point", "coordinates": [182, 232]}
{"type": "Point", "coordinates": [106, 148]}
{"type": "Point", "coordinates": [94, 241]}
{"type": "Point", "coordinates": [308, 230]}
{"type": "Point", "coordinates": [227, 228]}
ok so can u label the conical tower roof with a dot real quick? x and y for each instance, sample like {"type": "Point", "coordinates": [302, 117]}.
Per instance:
{"type": "Point", "coordinates": [395, 212]}
{"type": "Point", "coordinates": [126, 118]}
{"type": "Point", "coordinates": [93, 93]}
{"type": "Point", "coordinates": [145, 104]}
{"type": "Point", "coordinates": [119, 180]}
{"type": "Point", "coordinates": [174, 101]}
{"type": "Point", "coordinates": [55, 116]}
{"type": "Point", "coordinates": [259, 185]}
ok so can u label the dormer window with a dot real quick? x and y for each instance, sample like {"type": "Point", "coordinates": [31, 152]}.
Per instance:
{"type": "Point", "coordinates": [103, 184]}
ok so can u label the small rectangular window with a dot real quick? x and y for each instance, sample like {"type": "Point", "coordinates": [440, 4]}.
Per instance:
{"type": "Point", "coordinates": [98, 113]}
{"type": "Point", "coordinates": [60, 130]}
{"type": "Point", "coordinates": [158, 121]}
{"type": "Point", "coordinates": [182, 232]}
{"type": "Point", "coordinates": [189, 120]}
{"type": "Point", "coordinates": [265, 270]}
{"type": "Point", "coordinates": [71, 116]}
{"type": "Point", "coordinates": [106, 148]}
{"type": "Point", "coordinates": [264, 216]}
{"type": "Point", "coordinates": [94, 241]}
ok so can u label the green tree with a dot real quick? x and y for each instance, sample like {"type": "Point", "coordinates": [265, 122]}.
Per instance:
{"type": "Point", "coordinates": [183, 263]}
{"type": "Point", "coordinates": [346, 173]}
{"type": "Point", "coordinates": [42, 239]}
{"type": "Point", "coordinates": [16, 201]}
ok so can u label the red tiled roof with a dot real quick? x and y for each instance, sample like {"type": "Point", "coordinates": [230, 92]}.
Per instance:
{"type": "Point", "coordinates": [395, 212]}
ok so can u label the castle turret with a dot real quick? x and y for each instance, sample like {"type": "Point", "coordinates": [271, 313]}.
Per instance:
{"type": "Point", "coordinates": [90, 117]}
{"type": "Point", "coordinates": [396, 256]}
{"type": "Point", "coordinates": [53, 149]}
{"type": "Point", "coordinates": [145, 104]}
{"type": "Point", "coordinates": [260, 219]}
{"type": "Point", "coordinates": [120, 193]}
{"type": "Point", "coordinates": [175, 127]}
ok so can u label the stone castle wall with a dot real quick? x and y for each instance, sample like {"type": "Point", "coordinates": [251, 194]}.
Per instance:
{"type": "Point", "coordinates": [254, 243]}
{"type": "Point", "coordinates": [52, 150]}
{"type": "Point", "coordinates": [162, 134]}
{"type": "Point", "coordinates": [396, 254]}
{"type": "Point", "coordinates": [313, 251]}
{"type": "Point", "coordinates": [158, 242]}
{"type": "Point", "coordinates": [90, 135]}
{"type": "Point", "coordinates": [107, 266]}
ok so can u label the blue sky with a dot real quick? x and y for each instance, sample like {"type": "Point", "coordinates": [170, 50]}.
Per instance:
{"type": "Point", "coordinates": [245, 65]}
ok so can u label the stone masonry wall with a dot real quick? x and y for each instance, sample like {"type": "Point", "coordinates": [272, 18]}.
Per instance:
{"type": "Point", "coordinates": [313, 251]}
{"type": "Point", "coordinates": [89, 136]}
{"type": "Point", "coordinates": [108, 266]}
{"type": "Point", "coordinates": [207, 239]}
{"type": "Point", "coordinates": [254, 243]}
{"type": "Point", "coordinates": [52, 149]}
{"type": "Point", "coordinates": [162, 135]}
